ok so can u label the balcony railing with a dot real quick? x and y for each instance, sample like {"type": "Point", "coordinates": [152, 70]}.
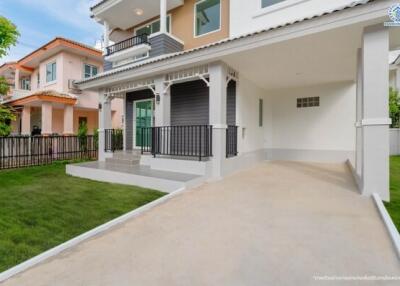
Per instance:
{"type": "Point", "coordinates": [184, 141]}
{"type": "Point", "coordinates": [126, 44]}
{"type": "Point", "coordinates": [231, 141]}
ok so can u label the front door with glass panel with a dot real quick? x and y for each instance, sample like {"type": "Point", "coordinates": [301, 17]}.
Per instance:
{"type": "Point", "coordinates": [144, 119]}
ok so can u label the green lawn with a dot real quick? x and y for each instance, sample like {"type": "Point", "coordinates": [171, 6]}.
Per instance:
{"type": "Point", "coordinates": [41, 207]}
{"type": "Point", "coordinates": [394, 206]}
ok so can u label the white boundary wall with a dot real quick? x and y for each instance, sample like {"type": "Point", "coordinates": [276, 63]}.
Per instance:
{"type": "Point", "coordinates": [394, 136]}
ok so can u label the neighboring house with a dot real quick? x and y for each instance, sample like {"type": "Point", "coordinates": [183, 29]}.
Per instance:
{"type": "Point", "coordinates": [234, 83]}
{"type": "Point", "coordinates": [43, 94]}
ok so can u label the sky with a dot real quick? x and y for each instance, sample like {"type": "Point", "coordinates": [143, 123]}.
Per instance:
{"type": "Point", "coordinates": [39, 21]}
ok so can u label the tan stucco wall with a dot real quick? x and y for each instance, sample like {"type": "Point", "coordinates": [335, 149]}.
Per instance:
{"type": "Point", "coordinates": [92, 120]}
{"type": "Point", "coordinates": [183, 25]}
{"type": "Point", "coordinates": [182, 19]}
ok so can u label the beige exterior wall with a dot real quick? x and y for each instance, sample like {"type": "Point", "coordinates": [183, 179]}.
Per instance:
{"type": "Point", "coordinates": [92, 119]}
{"type": "Point", "coordinates": [183, 25]}
{"type": "Point", "coordinates": [182, 22]}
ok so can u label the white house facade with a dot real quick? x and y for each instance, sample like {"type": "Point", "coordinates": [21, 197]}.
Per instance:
{"type": "Point", "coordinates": [269, 80]}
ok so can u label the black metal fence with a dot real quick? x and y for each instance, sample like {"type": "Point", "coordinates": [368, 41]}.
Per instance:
{"type": "Point", "coordinates": [25, 151]}
{"type": "Point", "coordinates": [185, 141]}
{"type": "Point", "coordinates": [128, 43]}
{"type": "Point", "coordinates": [231, 141]}
{"type": "Point", "coordinates": [113, 140]}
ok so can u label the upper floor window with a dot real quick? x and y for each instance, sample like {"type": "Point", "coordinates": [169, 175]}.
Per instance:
{"type": "Point", "coordinates": [266, 3]}
{"type": "Point", "coordinates": [51, 72]}
{"type": "Point", "coordinates": [153, 27]}
{"type": "Point", "coordinates": [26, 84]}
{"type": "Point", "coordinates": [207, 16]}
{"type": "Point", "coordinates": [89, 71]}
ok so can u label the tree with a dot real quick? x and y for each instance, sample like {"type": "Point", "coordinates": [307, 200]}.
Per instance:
{"type": "Point", "coordinates": [6, 116]}
{"type": "Point", "coordinates": [4, 87]}
{"type": "Point", "coordinates": [82, 136]}
{"type": "Point", "coordinates": [394, 107]}
{"type": "Point", "coordinates": [8, 35]}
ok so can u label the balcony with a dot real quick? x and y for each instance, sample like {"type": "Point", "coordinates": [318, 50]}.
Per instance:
{"type": "Point", "coordinates": [130, 47]}
{"type": "Point", "coordinates": [141, 47]}
{"type": "Point", "coordinates": [15, 94]}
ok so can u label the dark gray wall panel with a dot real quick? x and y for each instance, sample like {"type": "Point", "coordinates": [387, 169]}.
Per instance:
{"type": "Point", "coordinates": [163, 44]}
{"type": "Point", "coordinates": [107, 66]}
{"type": "Point", "coordinates": [130, 98]}
{"type": "Point", "coordinates": [190, 103]}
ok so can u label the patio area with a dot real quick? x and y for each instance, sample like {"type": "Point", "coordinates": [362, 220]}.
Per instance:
{"type": "Point", "coordinates": [279, 223]}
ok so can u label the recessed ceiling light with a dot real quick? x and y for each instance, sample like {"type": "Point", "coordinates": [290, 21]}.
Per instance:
{"type": "Point", "coordinates": [139, 11]}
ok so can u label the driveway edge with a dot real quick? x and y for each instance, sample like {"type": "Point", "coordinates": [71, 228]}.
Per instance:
{"type": "Point", "coordinates": [85, 236]}
{"type": "Point", "coordinates": [391, 228]}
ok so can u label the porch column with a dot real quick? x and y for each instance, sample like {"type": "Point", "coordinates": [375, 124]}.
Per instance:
{"type": "Point", "coordinates": [375, 120]}
{"type": "Point", "coordinates": [359, 104]}
{"type": "Point", "coordinates": [163, 16]}
{"type": "Point", "coordinates": [26, 120]}
{"type": "Point", "coordinates": [68, 120]}
{"type": "Point", "coordinates": [47, 118]}
{"type": "Point", "coordinates": [124, 121]}
{"type": "Point", "coordinates": [218, 96]}
{"type": "Point", "coordinates": [104, 123]}
{"type": "Point", "coordinates": [162, 112]}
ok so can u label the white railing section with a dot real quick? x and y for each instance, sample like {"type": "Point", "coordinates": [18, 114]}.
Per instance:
{"type": "Point", "coordinates": [394, 140]}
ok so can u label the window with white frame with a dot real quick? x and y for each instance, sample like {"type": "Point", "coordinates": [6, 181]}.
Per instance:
{"type": "Point", "coordinates": [26, 84]}
{"type": "Point", "coordinates": [152, 27]}
{"type": "Point", "coordinates": [51, 72]}
{"type": "Point", "coordinates": [207, 16]}
{"type": "Point", "coordinates": [266, 3]}
{"type": "Point", "coordinates": [89, 70]}
{"type": "Point", "coordinates": [38, 79]}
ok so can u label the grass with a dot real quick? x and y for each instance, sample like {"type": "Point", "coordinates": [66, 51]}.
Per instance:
{"type": "Point", "coordinates": [41, 207]}
{"type": "Point", "coordinates": [394, 206]}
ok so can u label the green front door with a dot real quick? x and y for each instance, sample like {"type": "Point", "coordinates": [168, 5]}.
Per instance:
{"type": "Point", "coordinates": [144, 118]}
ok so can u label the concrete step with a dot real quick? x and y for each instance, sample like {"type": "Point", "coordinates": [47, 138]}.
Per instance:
{"type": "Point", "coordinates": [129, 161]}
{"type": "Point", "coordinates": [128, 154]}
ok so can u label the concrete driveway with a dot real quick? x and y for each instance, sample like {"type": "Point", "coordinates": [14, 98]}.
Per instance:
{"type": "Point", "coordinates": [279, 223]}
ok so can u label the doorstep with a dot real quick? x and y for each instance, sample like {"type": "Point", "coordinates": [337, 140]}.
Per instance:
{"type": "Point", "coordinates": [137, 175]}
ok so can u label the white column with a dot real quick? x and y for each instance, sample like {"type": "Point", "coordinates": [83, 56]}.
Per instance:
{"type": "Point", "coordinates": [359, 115]}
{"type": "Point", "coordinates": [163, 16]}
{"type": "Point", "coordinates": [124, 120]}
{"type": "Point", "coordinates": [68, 120]}
{"type": "Point", "coordinates": [26, 120]}
{"type": "Point", "coordinates": [375, 123]}
{"type": "Point", "coordinates": [47, 118]}
{"type": "Point", "coordinates": [162, 111]}
{"type": "Point", "coordinates": [218, 74]}
{"type": "Point", "coordinates": [17, 79]}
{"type": "Point", "coordinates": [104, 123]}
{"type": "Point", "coordinates": [106, 35]}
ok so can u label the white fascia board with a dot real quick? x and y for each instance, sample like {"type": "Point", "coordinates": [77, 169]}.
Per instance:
{"type": "Point", "coordinates": [104, 6]}
{"type": "Point", "coordinates": [376, 12]}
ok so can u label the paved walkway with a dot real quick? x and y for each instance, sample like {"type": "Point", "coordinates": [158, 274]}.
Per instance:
{"type": "Point", "coordinates": [278, 224]}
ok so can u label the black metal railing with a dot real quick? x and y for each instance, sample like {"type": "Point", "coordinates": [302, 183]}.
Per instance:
{"type": "Point", "coordinates": [26, 151]}
{"type": "Point", "coordinates": [183, 141]}
{"type": "Point", "coordinates": [231, 141]}
{"type": "Point", "coordinates": [113, 140]}
{"type": "Point", "coordinates": [128, 43]}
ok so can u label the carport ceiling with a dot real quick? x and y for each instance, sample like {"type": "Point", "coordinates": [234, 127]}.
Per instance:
{"type": "Point", "coordinates": [317, 59]}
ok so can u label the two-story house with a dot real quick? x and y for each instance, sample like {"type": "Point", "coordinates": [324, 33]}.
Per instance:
{"type": "Point", "coordinates": [233, 83]}
{"type": "Point", "coordinates": [43, 94]}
